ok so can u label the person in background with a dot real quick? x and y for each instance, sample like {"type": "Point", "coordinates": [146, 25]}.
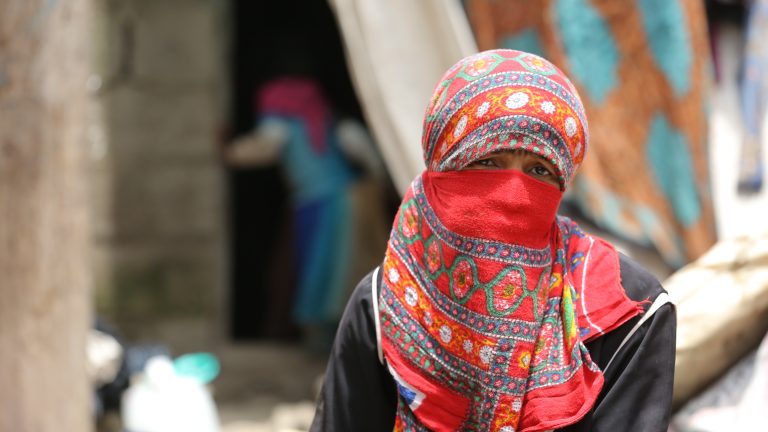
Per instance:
{"type": "Point", "coordinates": [490, 312]}
{"type": "Point", "coordinates": [327, 164]}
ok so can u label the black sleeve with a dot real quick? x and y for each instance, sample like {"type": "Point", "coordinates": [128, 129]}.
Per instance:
{"type": "Point", "coordinates": [358, 393]}
{"type": "Point", "coordinates": [637, 394]}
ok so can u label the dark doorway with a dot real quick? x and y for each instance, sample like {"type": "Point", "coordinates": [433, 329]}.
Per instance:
{"type": "Point", "coordinates": [271, 39]}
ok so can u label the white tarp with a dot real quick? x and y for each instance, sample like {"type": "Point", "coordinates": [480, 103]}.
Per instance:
{"type": "Point", "coordinates": [397, 50]}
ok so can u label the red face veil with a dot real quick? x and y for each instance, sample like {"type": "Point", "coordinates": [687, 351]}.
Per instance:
{"type": "Point", "coordinates": [487, 295]}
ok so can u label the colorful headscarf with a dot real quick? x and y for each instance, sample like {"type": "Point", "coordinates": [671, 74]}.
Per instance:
{"type": "Point", "coordinates": [487, 295]}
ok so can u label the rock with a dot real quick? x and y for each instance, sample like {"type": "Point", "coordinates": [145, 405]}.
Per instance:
{"type": "Point", "coordinates": [722, 310]}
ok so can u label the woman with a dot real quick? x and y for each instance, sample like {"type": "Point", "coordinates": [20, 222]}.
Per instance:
{"type": "Point", "coordinates": [490, 312]}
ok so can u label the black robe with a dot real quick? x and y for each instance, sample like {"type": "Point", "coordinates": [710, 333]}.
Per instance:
{"type": "Point", "coordinates": [359, 394]}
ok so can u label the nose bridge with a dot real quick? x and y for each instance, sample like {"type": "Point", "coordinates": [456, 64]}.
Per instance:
{"type": "Point", "coordinates": [513, 160]}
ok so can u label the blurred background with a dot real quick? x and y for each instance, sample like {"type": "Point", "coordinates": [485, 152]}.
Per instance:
{"type": "Point", "coordinates": [207, 180]}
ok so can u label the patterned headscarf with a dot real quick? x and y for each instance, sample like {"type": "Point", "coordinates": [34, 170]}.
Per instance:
{"type": "Point", "coordinates": [487, 295]}
{"type": "Point", "coordinates": [504, 100]}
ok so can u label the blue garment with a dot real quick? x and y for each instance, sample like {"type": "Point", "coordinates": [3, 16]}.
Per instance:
{"type": "Point", "coordinates": [318, 183]}
{"type": "Point", "coordinates": [312, 175]}
{"type": "Point", "coordinates": [754, 97]}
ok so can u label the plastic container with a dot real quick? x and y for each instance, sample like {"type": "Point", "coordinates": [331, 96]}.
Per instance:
{"type": "Point", "coordinates": [160, 400]}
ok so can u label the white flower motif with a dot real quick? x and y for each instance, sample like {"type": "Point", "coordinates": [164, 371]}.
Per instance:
{"type": "Point", "coordinates": [486, 353]}
{"type": "Point", "coordinates": [517, 404]}
{"type": "Point", "coordinates": [482, 109]}
{"type": "Point", "coordinates": [467, 345]}
{"type": "Point", "coordinates": [517, 100]}
{"type": "Point", "coordinates": [460, 126]}
{"type": "Point", "coordinates": [428, 318]}
{"type": "Point", "coordinates": [507, 429]}
{"type": "Point", "coordinates": [445, 333]}
{"type": "Point", "coordinates": [394, 276]}
{"type": "Point", "coordinates": [548, 107]}
{"type": "Point", "coordinates": [578, 148]}
{"type": "Point", "coordinates": [411, 297]}
{"type": "Point", "coordinates": [570, 126]}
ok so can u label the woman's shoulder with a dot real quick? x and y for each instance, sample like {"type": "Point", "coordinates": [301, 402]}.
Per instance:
{"type": "Point", "coordinates": [639, 284]}
{"type": "Point", "coordinates": [363, 294]}
{"type": "Point", "coordinates": [361, 313]}
{"type": "Point", "coordinates": [357, 329]}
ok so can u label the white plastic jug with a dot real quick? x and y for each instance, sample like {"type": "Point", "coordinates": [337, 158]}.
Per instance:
{"type": "Point", "coordinates": [161, 401]}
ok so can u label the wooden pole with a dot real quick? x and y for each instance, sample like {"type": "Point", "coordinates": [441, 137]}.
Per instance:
{"type": "Point", "coordinates": [44, 274]}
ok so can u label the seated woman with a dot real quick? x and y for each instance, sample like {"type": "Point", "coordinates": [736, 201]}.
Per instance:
{"type": "Point", "coordinates": [490, 312]}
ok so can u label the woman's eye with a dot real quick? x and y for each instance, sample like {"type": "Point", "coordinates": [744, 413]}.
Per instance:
{"type": "Point", "coordinates": [483, 163]}
{"type": "Point", "coordinates": [541, 171]}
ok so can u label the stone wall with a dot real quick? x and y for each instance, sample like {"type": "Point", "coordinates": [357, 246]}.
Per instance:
{"type": "Point", "coordinates": [157, 182]}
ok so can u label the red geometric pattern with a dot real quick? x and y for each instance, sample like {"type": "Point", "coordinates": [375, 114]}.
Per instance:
{"type": "Point", "coordinates": [485, 336]}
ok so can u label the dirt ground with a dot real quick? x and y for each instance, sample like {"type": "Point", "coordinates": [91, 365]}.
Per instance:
{"type": "Point", "coordinates": [267, 387]}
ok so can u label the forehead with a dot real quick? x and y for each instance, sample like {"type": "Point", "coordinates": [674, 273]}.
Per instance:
{"type": "Point", "coordinates": [519, 153]}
